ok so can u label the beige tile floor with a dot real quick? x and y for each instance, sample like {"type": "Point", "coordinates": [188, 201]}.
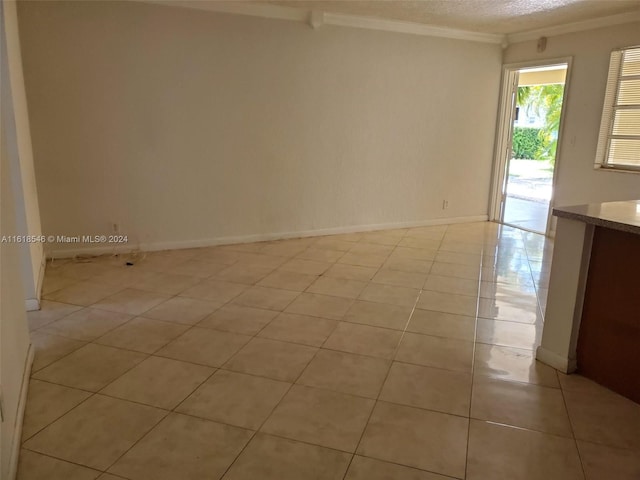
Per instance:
{"type": "Point", "coordinates": [402, 355]}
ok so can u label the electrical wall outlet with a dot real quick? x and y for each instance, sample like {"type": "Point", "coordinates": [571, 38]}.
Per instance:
{"type": "Point", "coordinates": [445, 204]}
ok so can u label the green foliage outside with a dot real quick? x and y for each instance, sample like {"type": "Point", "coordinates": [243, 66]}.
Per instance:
{"type": "Point", "coordinates": [539, 144]}
{"type": "Point", "coordinates": [528, 143]}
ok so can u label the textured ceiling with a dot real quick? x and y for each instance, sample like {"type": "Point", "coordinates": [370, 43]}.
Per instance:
{"type": "Point", "coordinates": [488, 16]}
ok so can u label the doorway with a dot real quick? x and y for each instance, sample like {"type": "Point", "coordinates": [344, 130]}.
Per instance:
{"type": "Point", "coordinates": [527, 146]}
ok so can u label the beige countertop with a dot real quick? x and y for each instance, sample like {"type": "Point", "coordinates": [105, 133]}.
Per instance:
{"type": "Point", "coordinates": [624, 216]}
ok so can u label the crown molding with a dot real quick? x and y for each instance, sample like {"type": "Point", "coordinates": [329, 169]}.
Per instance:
{"type": "Point", "coordinates": [398, 26]}
{"type": "Point", "coordinates": [317, 19]}
{"type": "Point", "coordinates": [264, 10]}
{"type": "Point", "coordinates": [574, 27]}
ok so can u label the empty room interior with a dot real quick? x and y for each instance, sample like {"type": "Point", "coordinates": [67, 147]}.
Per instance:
{"type": "Point", "coordinates": [269, 240]}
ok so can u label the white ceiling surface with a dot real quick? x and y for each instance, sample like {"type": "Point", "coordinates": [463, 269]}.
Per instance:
{"type": "Point", "coordinates": [486, 16]}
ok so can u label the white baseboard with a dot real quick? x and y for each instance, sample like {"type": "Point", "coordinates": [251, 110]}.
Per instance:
{"type": "Point", "coordinates": [261, 237]}
{"type": "Point", "coordinates": [32, 304]}
{"type": "Point", "coordinates": [563, 364]}
{"type": "Point", "coordinates": [22, 404]}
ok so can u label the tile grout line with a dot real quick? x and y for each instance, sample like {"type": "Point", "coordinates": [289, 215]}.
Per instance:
{"type": "Point", "coordinates": [392, 359]}
{"type": "Point", "coordinates": [473, 357]}
{"type": "Point", "coordinates": [318, 348]}
{"type": "Point", "coordinates": [573, 433]}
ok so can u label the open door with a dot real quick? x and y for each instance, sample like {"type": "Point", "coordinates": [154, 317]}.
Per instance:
{"type": "Point", "coordinates": [528, 136]}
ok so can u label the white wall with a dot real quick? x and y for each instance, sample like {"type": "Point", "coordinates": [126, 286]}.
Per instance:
{"type": "Point", "coordinates": [188, 126]}
{"type": "Point", "coordinates": [14, 335]}
{"type": "Point", "coordinates": [577, 181]}
{"type": "Point", "coordinates": [16, 119]}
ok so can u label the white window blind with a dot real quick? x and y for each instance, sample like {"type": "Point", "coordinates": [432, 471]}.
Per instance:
{"type": "Point", "coordinates": [619, 139]}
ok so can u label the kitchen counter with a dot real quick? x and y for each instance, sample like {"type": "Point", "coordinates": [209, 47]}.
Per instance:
{"type": "Point", "coordinates": [623, 216]}
{"type": "Point", "coordinates": [592, 318]}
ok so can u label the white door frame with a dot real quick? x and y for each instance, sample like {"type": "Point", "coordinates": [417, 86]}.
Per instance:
{"type": "Point", "coordinates": [504, 129]}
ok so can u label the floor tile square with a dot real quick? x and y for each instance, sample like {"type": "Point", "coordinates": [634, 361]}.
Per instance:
{"type": "Point", "coordinates": [448, 303]}
{"type": "Point", "coordinates": [272, 458]}
{"type": "Point", "coordinates": [508, 334]}
{"type": "Point", "coordinates": [187, 311]}
{"type": "Point", "coordinates": [462, 247]}
{"type": "Point", "coordinates": [522, 309]}
{"type": "Point", "coordinates": [364, 340]}
{"type": "Point", "coordinates": [337, 287]}
{"type": "Point", "coordinates": [34, 466]}
{"type": "Point", "coordinates": [320, 306]}
{"type": "Point", "coordinates": [83, 293]}
{"type": "Point", "coordinates": [49, 348]}
{"type": "Point", "coordinates": [513, 364]}
{"type": "Point", "coordinates": [365, 248]}
{"type": "Point", "coordinates": [390, 294]}
{"type": "Point", "coordinates": [46, 402]}
{"type": "Point", "coordinates": [321, 254]}
{"type": "Point", "coordinates": [363, 468]}
{"type": "Point", "coordinates": [346, 373]}
{"type": "Point", "coordinates": [414, 242]}
{"type": "Point", "coordinates": [54, 282]}
{"type": "Point", "coordinates": [458, 258]}
{"type": "Point", "coordinates": [453, 270]}
{"type": "Point", "coordinates": [257, 259]}
{"type": "Point", "coordinates": [235, 399]}
{"type": "Point", "coordinates": [438, 352]}
{"type": "Point", "coordinates": [351, 272]}
{"type": "Point", "coordinates": [90, 367]}
{"type": "Point", "coordinates": [273, 359]}
{"type": "Point", "coordinates": [215, 291]}
{"type": "Point", "coordinates": [423, 254]}
{"type": "Point", "coordinates": [600, 461]}
{"type": "Point", "coordinates": [97, 432]}
{"type": "Point", "coordinates": [224, 254]}
{"type": "Point", "coordinates": [204, 346]}
{"type": "Point", "coordinates": [183, 447]}
{"type": "Point", "coordinates": [378, 315]}
{"type": "Point", "coordinates": [458, 286]}
{"type": "Point", "coordinates": [440, 324]}
{"type": "Point", "coordinates": [321, 417]}
{"type": "Point", "coordinates": [142, 335]}
{"type": "Point", "coordinates": [49, 312]}
{"type": "Point", "coordinates": [167, 283]}
{"type": "Point", "coordinates": [197, 268]}
{"type": "Point", "coordinates": [429, 388]}
{"type": "Point", "coordinates": [432, 441]}
{"type": "Point", "coordinates": [405, 264]}
{"type": "Point", "coordinates": [363, 259]}
{"type": "Point", "coordinates": [159, 382]}
{"type": "Point", "coordinates": [432, 232]}
{"type": "Point", "coordinates": [309, 267]}
{"type": "Point", "coordinates": [243, 273]}
{"type": "Point", "coordinates": [288, 280]}
{"type": "Point", "coordinates": [521, 405]}
{"type": "Point", "coordinates": [239, 319]}
{"type": "Point", "coordinates": [131, 301]}
{"type": "Point", "coordinates": [290, 327]}
{"type": "Point", "coordinates": [266, 298]}
{"type": "Point", "coordinates": [400, 278]}
{"type": "Point", "coordinates": [497, 451]}
{"type": "Point", "coordinates": [86, 324]}
{"type": "Point", "coordinates": [604, 417]}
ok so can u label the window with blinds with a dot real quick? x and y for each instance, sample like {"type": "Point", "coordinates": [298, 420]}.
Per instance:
{"type": "Point", "coordinates": [619, 139]}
